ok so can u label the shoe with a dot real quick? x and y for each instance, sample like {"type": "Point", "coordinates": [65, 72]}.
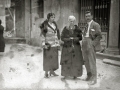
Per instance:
{"type": "Point", "coordinates": [88, 78]}
{"type": "Point", "coordinates": [53, 73]}
{"type": "Point", "coordinates": [46, 76]}
{"type": "Point", "coordinates": [74, 77]}
{"type": "Point", "coordinates": [92, 82]}
{"type": "Point", "coordinates": [63, 78]}
{"type": "Point", "coordinates": [89, 75]}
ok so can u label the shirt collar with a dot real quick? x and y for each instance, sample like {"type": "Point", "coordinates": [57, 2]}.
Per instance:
{"type": "Point", "coordinates": [90, 22]}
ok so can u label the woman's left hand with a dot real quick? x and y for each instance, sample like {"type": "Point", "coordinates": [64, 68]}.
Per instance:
{"type": "Point", "coordinates": [76, 38]}
{"type": "Point", "coordinates": [61, 42]}
{"type": "Point", "coordinates": [72, 38]}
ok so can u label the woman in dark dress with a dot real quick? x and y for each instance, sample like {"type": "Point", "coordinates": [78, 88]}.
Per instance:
{"type": "Point", "coordinates": [71, 58]}
{"type": "Point", "coordinates": [50, 43]}
{"type": "Point", "coordinates": [2, 41]}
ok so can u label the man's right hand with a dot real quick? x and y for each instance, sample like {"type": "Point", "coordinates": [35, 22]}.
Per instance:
{"type": "Point", "coordinates": [72, 38]}
{"type": "Point", "coordinates": [45, 46]}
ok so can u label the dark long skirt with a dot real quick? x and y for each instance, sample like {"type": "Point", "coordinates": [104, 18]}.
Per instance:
{"type": "Point", "coordinates": [71, 62]}
{"type": "Point", "coordinates": [50, 59]}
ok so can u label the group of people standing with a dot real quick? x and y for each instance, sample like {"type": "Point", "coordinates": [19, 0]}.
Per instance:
{"type": "Point", "coordinates": [73, 55]}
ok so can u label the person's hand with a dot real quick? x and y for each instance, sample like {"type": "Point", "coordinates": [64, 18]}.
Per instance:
{"type": "Point", "coordinates": [45, 46]}
{"type": "Point", "coordinates": [61, 42]}
{"type": "Point", "coordinates": [76, 38]}
{"type": "Point", "coordinates": [72, 38]}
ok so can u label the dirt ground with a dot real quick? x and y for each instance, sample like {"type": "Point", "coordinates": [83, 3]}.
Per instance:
{"type": "Point", "coordinates": [21, 69]}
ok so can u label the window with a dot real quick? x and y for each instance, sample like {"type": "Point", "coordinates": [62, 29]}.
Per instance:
{"type": "Point", "coordinates": [40, 8]}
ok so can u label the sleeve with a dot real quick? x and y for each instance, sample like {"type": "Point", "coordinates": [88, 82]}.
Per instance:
{"type": "Point", "coordinates": [64, 36]}
{"type": "Point", "coordinates": [43, 28]}
{"type": "Point", "coordinates": [42, 34]}
{"type": "Point", "coordinates": [58, 31]}
{"type": "Point", "coordinates": [79, 35]}
{"type": "Point", "coordinates": [58, 34]}
{"type": "Point", "coordinates": [98, 35]}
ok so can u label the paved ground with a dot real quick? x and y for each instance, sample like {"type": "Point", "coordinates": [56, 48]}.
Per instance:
{"type": "Point", "coordinates": [21, 69]}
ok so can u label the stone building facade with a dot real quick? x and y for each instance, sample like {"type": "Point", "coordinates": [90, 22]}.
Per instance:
{"type": "Point", "coordinates": [29, 14]}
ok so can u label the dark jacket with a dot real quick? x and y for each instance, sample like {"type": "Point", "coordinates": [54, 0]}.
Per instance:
{"type": "Point", "coordinates": [66, 34]}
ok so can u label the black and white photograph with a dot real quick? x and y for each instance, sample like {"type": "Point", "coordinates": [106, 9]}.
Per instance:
{"type": "Point", "coordinates": [59, 44]}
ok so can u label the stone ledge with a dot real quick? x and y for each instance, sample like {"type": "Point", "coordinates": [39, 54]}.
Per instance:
{"type": "Point", "coordinates": [108, 56]}
{"type": "Point", "coordinates": [111, 62]}
{"type": "Point", "coordinates": [14, 40]}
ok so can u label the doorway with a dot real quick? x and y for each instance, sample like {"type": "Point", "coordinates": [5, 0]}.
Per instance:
{"type": "Point", "coordinates": [101, 14]}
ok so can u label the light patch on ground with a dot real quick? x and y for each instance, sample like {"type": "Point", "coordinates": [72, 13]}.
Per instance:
{"type": "Point", "coordinates": [21, 67]}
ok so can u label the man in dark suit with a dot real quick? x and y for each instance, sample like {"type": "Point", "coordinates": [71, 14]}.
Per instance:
{"type": "Point", "coordinates": [91, 44]}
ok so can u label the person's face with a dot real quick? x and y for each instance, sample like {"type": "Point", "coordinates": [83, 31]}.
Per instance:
{"type": "Point", "coordinates": [88, 17]}
{"type": "Point", "coordinates": [52, 18]}
{"type": "Point", "coordinates": [71, 22]}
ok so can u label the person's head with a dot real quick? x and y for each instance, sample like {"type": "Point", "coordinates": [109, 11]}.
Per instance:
{"type": "Point", "coordinates": [51, 17]}
{"type": "Point", "coordinates": [0, 22]}
{"type": "Point", "coordinates": [71, 20]}
{"type": "Point", "coordinates": [88, 16]}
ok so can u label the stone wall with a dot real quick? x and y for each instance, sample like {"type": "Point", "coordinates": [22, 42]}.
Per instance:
{"type": "Point", "coordinates": [2, 12]}
{"type": "Point", "coordinates": [61, 8]}
{"type": "Point", "coordinates": [28, 19]}
{"type": "Point", "coordinates": [20, 19]}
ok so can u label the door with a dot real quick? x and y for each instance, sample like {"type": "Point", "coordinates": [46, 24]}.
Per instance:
{"type": "Point", "coordinates": [101, 13]}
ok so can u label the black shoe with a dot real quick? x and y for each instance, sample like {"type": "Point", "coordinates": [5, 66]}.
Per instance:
{"type": "Point", "coordinates": [92, 82]}
{"type": "Point", "coordinates": [53, 73]}
{"type": "Point", "coordinates": [46, 75]}
{"type": "Point", "coordinates": [89, 75]}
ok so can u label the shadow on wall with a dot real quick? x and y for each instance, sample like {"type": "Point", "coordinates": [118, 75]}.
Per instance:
{"type": "Point", "coordinates": [35, 33]}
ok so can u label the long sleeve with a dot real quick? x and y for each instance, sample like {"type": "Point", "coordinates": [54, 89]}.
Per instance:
{"type": "Point", "coordinates": [79, 35]}
{"type": "Point", "coordinates": [98, 35]}
{"type": "Point", "coordinates": [58, 31]}
{"type": "Point", "coordinates": [65, 35]}
{"type": "Point", "coordinates": [43, 28]}
{"type": "Point", "coordinates": [1, 29]}
{"type": "Point", "coordinates": [58, 34]}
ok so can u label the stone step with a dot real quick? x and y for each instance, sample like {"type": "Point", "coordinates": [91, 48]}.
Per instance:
{"type": "Point", "coordinates": [111, 62]}
{"type": "Point", "coordinates": [14, 40]}
{"type": "Point", "coordinates": [108, 56]}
